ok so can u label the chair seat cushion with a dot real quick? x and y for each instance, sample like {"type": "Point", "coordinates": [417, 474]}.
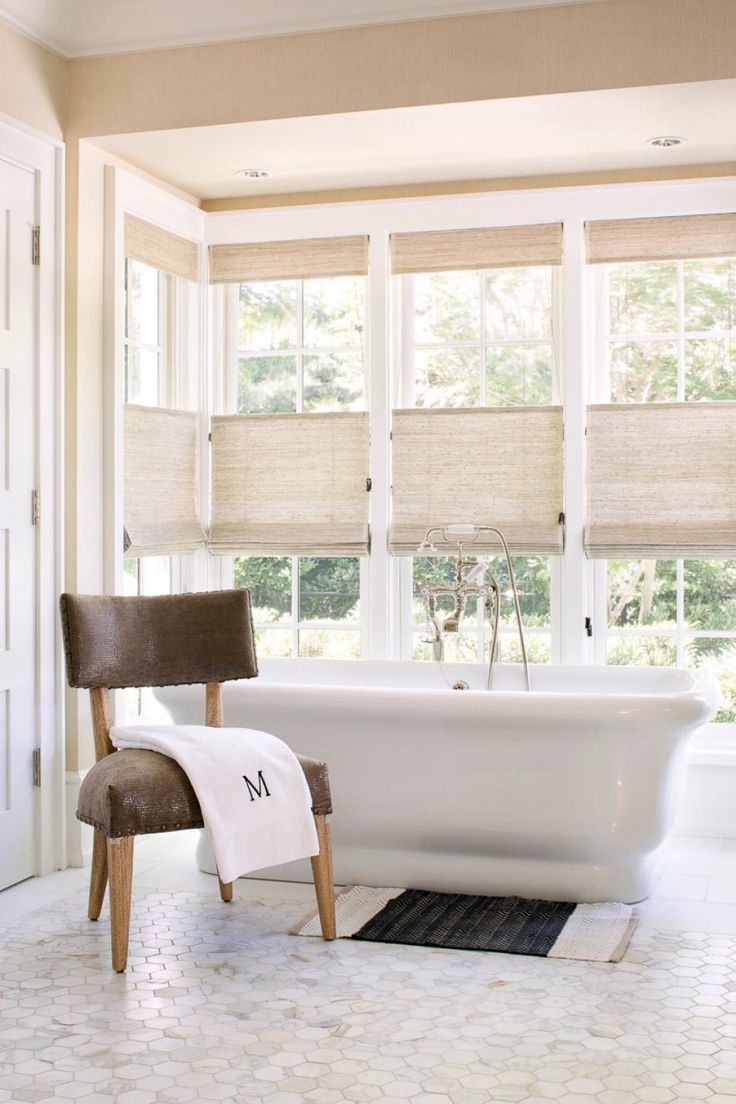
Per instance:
{"type": "Point", "coordinates": [132, 792]}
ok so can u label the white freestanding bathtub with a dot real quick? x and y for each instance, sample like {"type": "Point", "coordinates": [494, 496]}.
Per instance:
{"type": "Point", "coordinates": [563, 793]}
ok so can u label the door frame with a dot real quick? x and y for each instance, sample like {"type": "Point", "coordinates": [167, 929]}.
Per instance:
{"type": "Point", "coordinates": [43, 154]}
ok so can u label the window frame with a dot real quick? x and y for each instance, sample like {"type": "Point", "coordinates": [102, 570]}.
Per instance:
{"type": "Point", "coordinates": [163, 345]}
{"type": "Point", "coordinates": [173, 384]}
{"type": "Point", "coordinates": [225, 570]}
{"type": "Point", "coordinates": [404, 396]}
{"type": "Point", "coordinates": [680, 633]}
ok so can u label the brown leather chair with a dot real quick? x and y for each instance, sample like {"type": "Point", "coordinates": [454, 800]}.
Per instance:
{"type": "Point", "coordinates": [113, 643]}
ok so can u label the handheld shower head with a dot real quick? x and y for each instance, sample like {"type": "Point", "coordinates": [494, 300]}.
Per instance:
{"type": "Point", "coordinates": [475, 575]}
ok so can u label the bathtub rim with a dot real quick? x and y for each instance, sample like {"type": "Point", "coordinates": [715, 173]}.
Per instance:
{"type": "Point", "coordinates": [692, 707]}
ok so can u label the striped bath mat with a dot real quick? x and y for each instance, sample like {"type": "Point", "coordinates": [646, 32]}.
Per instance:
{"type": "Point", "coordinates": [515, 925]}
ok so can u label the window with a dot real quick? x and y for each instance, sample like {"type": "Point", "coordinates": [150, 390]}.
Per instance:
{"type": "Point", "coordinates": [300, 348]}
{"type": "Point", "coordinates": [481, 338]}
{"type": "Point", "coordinates": [303, 605]}
{"type": "Point", "coordinates": [148, 381]}
{"type": "Point", "coordinates": [669, 333]}
{"type": "Point", "coordinates": [147, 294]}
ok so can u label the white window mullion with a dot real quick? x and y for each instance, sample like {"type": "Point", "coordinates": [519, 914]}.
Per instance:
{"type": "Point", "coordinates": [599, 339]}
{"type": "Point", "coordinates": [555, 608]}
{"type": "Point", "coordinates": [382, 622]}
{"type": "Point", "coordinates": [365, 605]}
{"type": "Point", "coordinates": [556, 563]}
{"type": "Point", "coordinates": [483, 393]}
{"type": "Point", "coordinates": [483, 389]}
{"type": "Point", "coordinates": [401, 567]}
{"type": "Point", "coordinates": [295, 605]}
{"type": "Point", "coordinates": [680, 614]}
{"type": "Point", "coordinates": [680, 331]}
{"type": "Point", "coordinates": [576, 583]}
{"type": "Point", "coordinates": [404, 367]}
{"type": "Point", "coordinates": [224, 300]}
{"type": "Point", "coordinates": [300, 347]}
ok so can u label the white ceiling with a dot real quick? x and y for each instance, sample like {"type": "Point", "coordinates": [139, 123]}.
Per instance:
{"type": "Point", "coordinates": [78, 28]}
{"type": "Point", "coordinates": [575, 132]}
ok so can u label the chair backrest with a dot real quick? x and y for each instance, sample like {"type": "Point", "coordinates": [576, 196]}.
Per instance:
{"type": "Point", "coordinates": [116, 642]}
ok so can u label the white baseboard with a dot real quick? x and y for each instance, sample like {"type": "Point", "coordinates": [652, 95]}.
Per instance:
{"type": "Point", "coordinates": [78, 835]}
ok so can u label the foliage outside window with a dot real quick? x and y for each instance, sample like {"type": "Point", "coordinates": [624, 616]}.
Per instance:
{"type": "Point", "coordinates": [303, 605]}
{"type": "Point", "coordinates": [670, 335]}
{"type": "Point", "coordinates": [482, 338]}
{"type": "Point", "coordinates": [301, 348]}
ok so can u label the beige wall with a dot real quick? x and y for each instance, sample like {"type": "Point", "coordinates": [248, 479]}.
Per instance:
{"type": "Point", "coordinates": [617, 44]}
{"type": "Point", "coordinates": [33, 82]}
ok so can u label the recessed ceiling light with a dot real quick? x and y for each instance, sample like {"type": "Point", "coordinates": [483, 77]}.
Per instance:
{"type": "Point", "coordinates": [253, 174]}
{"type": "Point", "coordinates": [664, 141]}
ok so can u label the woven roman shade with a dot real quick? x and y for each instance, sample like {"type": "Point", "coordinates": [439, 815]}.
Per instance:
{"type": "Point", "coordinates": [661, 480]}
{"type": "Point", "coordinates": [290, 484]}
{"type": "Point", "coordinates": [498, 466]}
{"type": "Point", "coordinates": [302, 259]}
{"type": "Point", "coordinates": [160, 481]}
{"type": "Point", "coordinates": [669, 238]}
{"type": "Point", "coordinates": [487, 247]}
{"type": "Point", "coordinates": [160, 248]}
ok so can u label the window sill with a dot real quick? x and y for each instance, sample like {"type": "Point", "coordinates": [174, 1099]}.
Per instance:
{"type": "Point", "coordinates": [713, 745]}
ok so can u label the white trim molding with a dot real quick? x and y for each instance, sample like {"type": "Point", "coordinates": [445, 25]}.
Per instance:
{"type": "Point", "coordinates": [45, 156]}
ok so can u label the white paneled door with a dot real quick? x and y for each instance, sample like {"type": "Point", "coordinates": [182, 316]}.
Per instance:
{"type": "Point", "coordinates": [17, 508]}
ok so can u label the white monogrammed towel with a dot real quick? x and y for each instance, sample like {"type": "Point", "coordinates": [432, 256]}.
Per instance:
{"type": "Point", "coordinates": [255, 799]}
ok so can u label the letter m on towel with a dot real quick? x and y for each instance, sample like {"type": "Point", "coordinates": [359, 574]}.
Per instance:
{"type": "Point", "coordinates": [257, 790]}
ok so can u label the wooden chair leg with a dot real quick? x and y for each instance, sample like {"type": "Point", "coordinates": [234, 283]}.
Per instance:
{"type": "Point", "coordinates": [98, 876]}
{"type": "Point", "coordinates": [226, 889]}
{"type": "Point", "coordinates": [324, 886]}
{"type": "Point", "coordinates": [120, 868]}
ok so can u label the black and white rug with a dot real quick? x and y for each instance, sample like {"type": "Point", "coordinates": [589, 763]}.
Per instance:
{"type": "Point", "coordinates": [515, 925]}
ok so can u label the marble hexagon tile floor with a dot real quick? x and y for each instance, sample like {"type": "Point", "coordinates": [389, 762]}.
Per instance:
{"type": "Point", "coordinates": [220, 1004]}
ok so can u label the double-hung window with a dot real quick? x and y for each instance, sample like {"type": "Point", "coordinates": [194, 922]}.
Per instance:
{"type": "Point", "coordinates": [149, 381]}
{"type": "Point", "coordinates": [300, 348]}
{"type": "Point", "coordinates": [161, 502]}
{"type": "Point", "coordinates": [666, 331]}
{"type": "Point", "coordinates": [480, 338]}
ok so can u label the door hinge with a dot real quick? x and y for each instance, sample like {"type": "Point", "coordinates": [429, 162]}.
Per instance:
{"type": "Point", "coordinates": [36, 246]}
{"type": "Point", "coordinates": [35, 508]}
{"type": "Point", "coordinates": [588, 626]}
{"type": "Point", "coordinates": [37, 766]}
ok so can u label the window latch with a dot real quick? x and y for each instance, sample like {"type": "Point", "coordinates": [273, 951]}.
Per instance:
{"type": "Point", "coordinates": [588, 626]}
